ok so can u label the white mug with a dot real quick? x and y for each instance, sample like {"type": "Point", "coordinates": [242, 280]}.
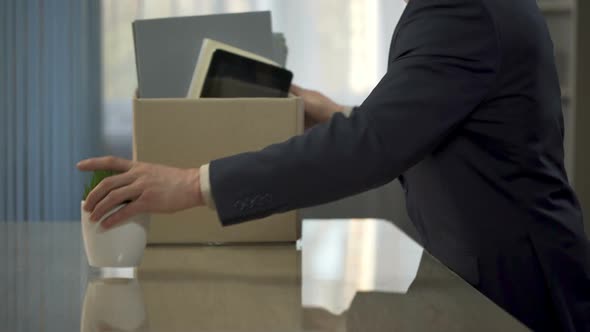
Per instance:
{"type": "Point", "coordinates": [121, 246]}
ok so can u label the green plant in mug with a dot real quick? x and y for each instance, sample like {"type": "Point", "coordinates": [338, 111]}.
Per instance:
{"type": "Point", "coordinates": [97, 177]}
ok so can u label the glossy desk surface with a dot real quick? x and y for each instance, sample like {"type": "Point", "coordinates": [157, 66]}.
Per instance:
{"type": "Point", "coordinates": [349, 275]}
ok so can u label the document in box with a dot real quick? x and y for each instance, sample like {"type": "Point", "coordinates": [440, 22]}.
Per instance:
{"type": "Point", "coordinates": [166, 49]}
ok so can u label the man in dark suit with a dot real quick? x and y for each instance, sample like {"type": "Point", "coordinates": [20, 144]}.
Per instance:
{"type": "Point", "coordinates": [468, 117]}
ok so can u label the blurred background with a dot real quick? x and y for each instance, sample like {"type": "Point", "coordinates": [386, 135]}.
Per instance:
{"type": "Point", "coordinates": [67, 75]}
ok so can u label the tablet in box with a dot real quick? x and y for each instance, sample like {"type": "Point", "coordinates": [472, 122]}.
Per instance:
{"type": "Point", "coordinates": [228, 71]}
{"type": "Point", "coordinates": [234, 76]}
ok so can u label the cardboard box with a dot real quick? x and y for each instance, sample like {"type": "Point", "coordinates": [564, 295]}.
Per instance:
{"type": "Point", "coordinates": [191, 132]}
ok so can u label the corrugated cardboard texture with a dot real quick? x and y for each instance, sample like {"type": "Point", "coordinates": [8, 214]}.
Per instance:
{"type": "Point", "coordinates": [192, 132]}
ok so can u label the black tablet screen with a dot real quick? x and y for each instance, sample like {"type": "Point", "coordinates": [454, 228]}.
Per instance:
{"type": "Point", "coordinates": [234, 76]}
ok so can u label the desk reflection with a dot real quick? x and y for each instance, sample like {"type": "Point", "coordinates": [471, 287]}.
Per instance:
{"type": "Point", "coordinates": [343, 257]}
{"type": "Point", "coordinates": [237, 288]}
{"type": "Point", "coordinates": [351, 275]}
{"type": "Point", "coordinates": [113, 304]}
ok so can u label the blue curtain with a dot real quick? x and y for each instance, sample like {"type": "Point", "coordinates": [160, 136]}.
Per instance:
{"type": "Point", "coordinates": [50, 104]}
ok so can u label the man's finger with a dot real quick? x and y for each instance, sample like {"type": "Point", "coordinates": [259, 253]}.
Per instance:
{"type": "Point", "coordinates": [126, 212]}
{"type": "Point", "coordinates": [113, 199]}
{"type": "Point", "coordinates": [108, 163]}
{"type": "Point", "coordinates": [104, 187]}
{"type": "Point", "coordinates": [296, 89]}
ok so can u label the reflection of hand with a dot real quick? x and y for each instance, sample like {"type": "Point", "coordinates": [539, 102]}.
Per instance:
{"type": "Point", "coordinates": [149, 187]}
{"type": "Point", "coordinates": [318, 108]}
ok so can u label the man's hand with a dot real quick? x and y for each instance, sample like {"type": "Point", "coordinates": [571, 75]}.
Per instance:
{"type": "Point", "coordinates": [318, 108]}
{"type": "Point", "coordinates": [149, 187]}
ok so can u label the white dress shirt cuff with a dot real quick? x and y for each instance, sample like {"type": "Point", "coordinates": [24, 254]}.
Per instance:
{"type": "Point", "coordinates": [347, 110]}
{"type": "Point", "coordinates": [206, 186]}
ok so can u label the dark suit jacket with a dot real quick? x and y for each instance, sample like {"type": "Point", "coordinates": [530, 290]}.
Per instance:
{"type": "Point", "coordinates": [469, 117]}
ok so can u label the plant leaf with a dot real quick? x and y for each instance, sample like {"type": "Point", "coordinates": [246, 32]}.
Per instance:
{"type": "Point", "coordinates": [97, 177]}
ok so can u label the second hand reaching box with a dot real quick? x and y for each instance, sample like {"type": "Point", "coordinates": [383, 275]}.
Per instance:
{"type": "Point", "coordinates": [191, 132]}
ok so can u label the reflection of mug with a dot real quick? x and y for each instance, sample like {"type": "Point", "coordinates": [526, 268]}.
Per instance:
{"type": "Point", "coordinates": [113, 305]}
{"type": "Point", "coordinates": [120, 246]}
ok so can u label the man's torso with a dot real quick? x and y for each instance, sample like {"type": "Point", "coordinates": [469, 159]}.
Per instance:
{"type": "Point", "coordinates": [494, 194]}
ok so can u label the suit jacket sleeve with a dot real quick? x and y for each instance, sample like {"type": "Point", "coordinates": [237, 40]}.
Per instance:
{"type": "Point", "coordinates": [443, 63]}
